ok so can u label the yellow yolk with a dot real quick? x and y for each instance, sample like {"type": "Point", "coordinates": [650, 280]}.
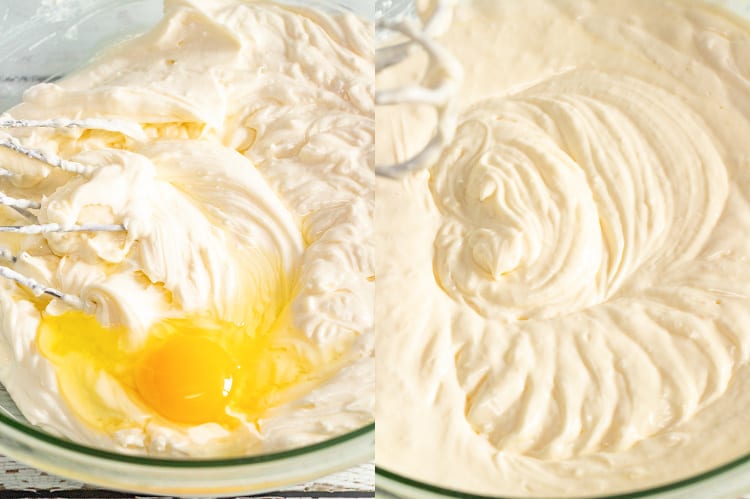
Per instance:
{"type": "Point", "coordinates": [187, 379]}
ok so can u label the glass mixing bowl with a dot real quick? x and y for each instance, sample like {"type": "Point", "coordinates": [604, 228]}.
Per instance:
{"type": "Point", "coordinates": [41, 40]}
{"type": "Point", "coordinates": [729, 481]}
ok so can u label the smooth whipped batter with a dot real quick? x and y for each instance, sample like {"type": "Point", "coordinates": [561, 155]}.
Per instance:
{"type": "Point", "coordinates": [249, 198]}
{"type": "Point", "coordinates": [562, 301]}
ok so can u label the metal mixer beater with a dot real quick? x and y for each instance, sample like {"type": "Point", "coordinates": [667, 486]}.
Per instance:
{"type": "Point", "coordinates": [28, 207]}
{"type": "Point", "coordinates": [438, 86]}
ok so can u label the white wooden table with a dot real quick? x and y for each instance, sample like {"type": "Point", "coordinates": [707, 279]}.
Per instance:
{"type": "Point", "coordinates": [20, 481]}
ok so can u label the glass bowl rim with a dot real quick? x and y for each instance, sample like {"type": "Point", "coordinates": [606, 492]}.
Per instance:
{"type": "Point", "coordinates": [658, 489]}
{"type": "Point", "coordinates": [69, 445]}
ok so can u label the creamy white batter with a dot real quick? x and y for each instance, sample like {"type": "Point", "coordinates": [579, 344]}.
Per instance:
{"type": "Point", "coordinates": [562, 301]}
{"type": "Point", "coordinates": [253, 188]}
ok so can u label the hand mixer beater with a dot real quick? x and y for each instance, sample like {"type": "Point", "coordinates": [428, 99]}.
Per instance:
{"type": "Point", "coordinates": [28, 207]}
{"type": "Point", "coordinates": [438, 86]}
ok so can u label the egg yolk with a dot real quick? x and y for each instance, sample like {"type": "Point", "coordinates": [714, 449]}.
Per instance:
{"type": "Point", "coordinates": [187, 379]}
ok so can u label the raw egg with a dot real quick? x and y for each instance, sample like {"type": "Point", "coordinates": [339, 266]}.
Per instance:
{"type": "Point", "coordinates": [189, 371]}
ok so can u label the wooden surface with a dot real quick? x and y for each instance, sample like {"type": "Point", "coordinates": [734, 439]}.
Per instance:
{"type": "Point", "coordinates": [20, 481]}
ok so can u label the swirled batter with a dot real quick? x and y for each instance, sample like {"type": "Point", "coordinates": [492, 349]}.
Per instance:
{"type": "Point", "coordinates": [234, 314]}
{"type": "Point", "coordinates": [563, 298]}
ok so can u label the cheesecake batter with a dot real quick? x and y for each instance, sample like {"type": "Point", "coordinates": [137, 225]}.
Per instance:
{"type": "Point", "coordinates": [247, 195]}
{"type": "Point", "coordinates": [563, 298]}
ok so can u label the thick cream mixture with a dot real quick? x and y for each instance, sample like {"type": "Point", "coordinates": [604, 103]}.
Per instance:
{"type": "Point", "coordinates": [250, 195]}
{"type": "Point", "coordinates": [562, 301]}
